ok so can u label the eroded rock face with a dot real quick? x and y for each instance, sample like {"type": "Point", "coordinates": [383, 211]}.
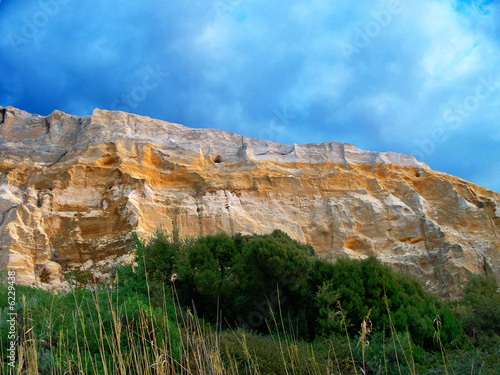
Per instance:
{"type": "Point", "coordinates": [73, 189]}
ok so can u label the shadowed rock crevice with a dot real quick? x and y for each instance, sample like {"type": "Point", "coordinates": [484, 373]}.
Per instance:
{"type": "Point", "coordinates": [4, 213]}
{"type": "Point", "coordinates": [57, 160]}
{"type": "Point", "coordinates": [47, 125]}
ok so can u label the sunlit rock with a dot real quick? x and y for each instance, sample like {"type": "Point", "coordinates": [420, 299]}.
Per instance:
{"type": "Point", "coordinates": [73, 189]}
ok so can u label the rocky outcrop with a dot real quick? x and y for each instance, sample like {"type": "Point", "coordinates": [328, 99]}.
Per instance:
{"type": "Point", "coordinates": [72, 190]}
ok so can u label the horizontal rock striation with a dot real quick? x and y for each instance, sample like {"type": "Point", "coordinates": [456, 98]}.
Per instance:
{"type": "Point", "coordinates": [72, 189]}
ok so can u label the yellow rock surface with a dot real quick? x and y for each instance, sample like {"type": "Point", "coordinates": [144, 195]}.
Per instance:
{"type": "Point", "coordinates": [73, 189]}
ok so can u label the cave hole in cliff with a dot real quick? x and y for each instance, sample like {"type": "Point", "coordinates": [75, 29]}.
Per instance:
{"type": "Point", "coordinates": [218, 159]}
{"type": "Point", "coordinates": [418, 174]}
{"type": "Point", "coordinates": [480, 204]}
{"type": "Point", "coordinates": [2, 115]}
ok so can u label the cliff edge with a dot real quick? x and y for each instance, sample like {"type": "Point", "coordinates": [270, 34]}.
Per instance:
{"type": "Point", "coordinates": [72, 190]}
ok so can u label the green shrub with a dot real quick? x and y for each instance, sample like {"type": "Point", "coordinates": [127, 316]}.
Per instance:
{"type": "Point", "coordinates": [482, 311]}
{"type": "Point", "coordinates": [362, 285]}
{"type": "Point", "coordinates": [237, 275]}
{"type": "Point", "coordinates": [244, 276]}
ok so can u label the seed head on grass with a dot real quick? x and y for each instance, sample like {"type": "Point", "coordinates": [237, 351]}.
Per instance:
{"type": "Point", "coordinates": [366, 329]}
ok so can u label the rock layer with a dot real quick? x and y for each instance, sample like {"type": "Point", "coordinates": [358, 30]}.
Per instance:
{"type": "Point", "coordinates": [72, 189]}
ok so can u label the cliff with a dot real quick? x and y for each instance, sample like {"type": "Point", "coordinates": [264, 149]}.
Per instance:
{"type": "Point", "coordinates": [72, 189]}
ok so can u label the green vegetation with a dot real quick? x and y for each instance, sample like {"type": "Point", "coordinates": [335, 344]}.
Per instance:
{"type": "Point", "coordinates": [261, 304]}
{"type": "Point", "coordinates": [89, 330]}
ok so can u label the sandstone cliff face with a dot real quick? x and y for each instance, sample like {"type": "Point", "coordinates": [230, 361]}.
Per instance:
{"type": "Point", "coordinates": [73, 189]}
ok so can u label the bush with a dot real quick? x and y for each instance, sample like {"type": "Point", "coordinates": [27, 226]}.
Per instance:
{"type": "Point", "coordinates": [241, 275]}
{"type": "Point", "coordinates": [481, 318]}
{"type": "Point", "coordinates": [244, 276]}
{"type": "Point", "coordinates": [363, 285]}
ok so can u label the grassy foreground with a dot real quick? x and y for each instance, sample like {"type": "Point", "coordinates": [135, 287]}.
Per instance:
{"type": "Point", "coordinates": [143, 323]}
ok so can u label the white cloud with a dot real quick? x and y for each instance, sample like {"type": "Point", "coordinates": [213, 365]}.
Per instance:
{"type": "Point", "coordinates": [231, 70]}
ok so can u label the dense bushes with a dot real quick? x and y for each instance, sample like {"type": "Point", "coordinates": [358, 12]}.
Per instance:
{"type": "Point", "coordinates": [479, 311]}
{"type": "Point", "coordinates": [133, 326]}
{"type": "Point", "coordinates": [243, 277]}
{"type": "Point", "coordinates": [237, 275]}
{"type": "Point", "coordinates": [364, 286]}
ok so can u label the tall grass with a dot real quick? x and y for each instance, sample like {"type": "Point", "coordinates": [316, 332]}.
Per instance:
{"type": "Point", "coordinates": [97, 332]}
{"type": "Point", "coordinates": [101, 336]}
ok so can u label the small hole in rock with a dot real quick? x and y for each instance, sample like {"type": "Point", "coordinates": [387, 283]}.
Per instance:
{"type": "Point", "coordinates": [418, 174]}
{"type": "Point", "coordinates": [218, 159]}
{"type": "Point", "coordinates": [480, 204]}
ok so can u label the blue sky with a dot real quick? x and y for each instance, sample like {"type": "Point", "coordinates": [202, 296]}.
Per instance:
{"type": "Point", "coordinates": [419, 77]}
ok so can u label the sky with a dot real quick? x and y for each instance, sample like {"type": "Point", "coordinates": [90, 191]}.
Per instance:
{"type": "Point", "coordinates": [418, 77]}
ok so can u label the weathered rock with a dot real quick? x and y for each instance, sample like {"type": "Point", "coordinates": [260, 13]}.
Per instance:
{"type": "Point", "coordinates": [73, 189]}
